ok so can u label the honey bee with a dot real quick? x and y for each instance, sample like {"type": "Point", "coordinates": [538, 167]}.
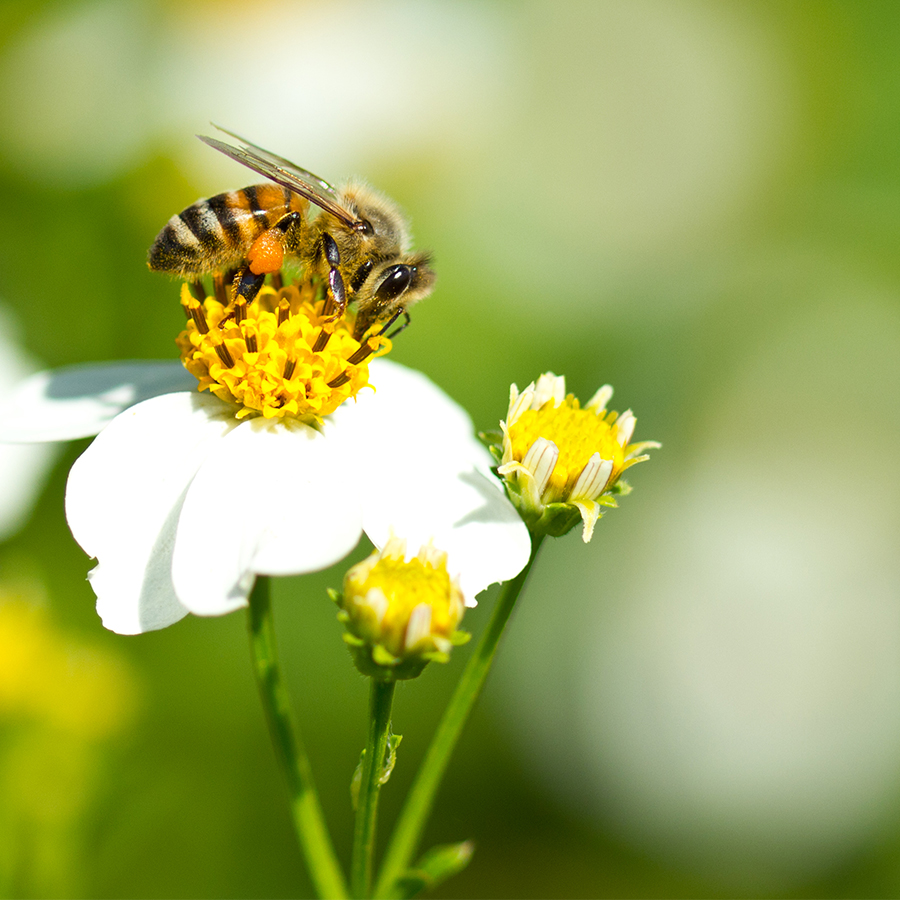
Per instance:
{"type": "Point", "coordinates": [359, 242]}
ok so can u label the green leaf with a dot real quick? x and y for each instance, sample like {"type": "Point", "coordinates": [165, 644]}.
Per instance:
{"type": "Point", "coordinates": [390, 758]}
{"type": "Point", "coordinates": [356, 781]}
{"type": "Point", "coordinates": [435, 867]}
{"type": "Point", "coordinates": [491, 438]}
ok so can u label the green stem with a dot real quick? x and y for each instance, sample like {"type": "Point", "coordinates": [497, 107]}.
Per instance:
{"type": "Point", "coordinates": [380, 699]}
{"type": "Point", "coordinates": [421, 797]}
{"type": "Point", "coordinates": [309, 823]}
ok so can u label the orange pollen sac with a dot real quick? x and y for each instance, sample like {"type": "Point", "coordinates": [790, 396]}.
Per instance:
{"type": "Point", "coordinates": [266, 254]}
{"type": "Point", "coordinates": [271, 361]}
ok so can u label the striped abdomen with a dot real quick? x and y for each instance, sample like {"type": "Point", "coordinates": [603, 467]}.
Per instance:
{"type": "Point", "coordinates": [214, 235]}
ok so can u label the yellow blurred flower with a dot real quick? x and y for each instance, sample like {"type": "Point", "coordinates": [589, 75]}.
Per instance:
{"type": "Point", "coordinates": [50, 678]}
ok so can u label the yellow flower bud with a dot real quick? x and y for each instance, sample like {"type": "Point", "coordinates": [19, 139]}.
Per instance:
{"type": "Point", "coordinates": [400, 614]}
{"type": "Point", "coordinates": [562, 461]}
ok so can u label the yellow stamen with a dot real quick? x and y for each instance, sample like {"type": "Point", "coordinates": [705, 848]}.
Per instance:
{"type": "Point", "coordinates": [269, 357]}
{"type": "Point", "coordinates": [578, 434]}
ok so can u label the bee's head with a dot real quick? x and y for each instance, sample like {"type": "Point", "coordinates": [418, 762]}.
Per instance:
{"type": "Point", "coordinates": [392, 287]}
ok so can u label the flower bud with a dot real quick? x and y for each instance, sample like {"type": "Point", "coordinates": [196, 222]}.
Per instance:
{"type": "Point", "coordinates": [400, 614]}
{"type": "Point", "coordinates": [563, 463]}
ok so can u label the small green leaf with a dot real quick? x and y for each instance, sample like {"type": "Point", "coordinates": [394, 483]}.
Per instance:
{"type": "Point", "coordinates": [356, 781]}
{"type": "Point", "coordinates": [435, 867]}
{"type": "Point", "coordinates": [490, 438]}
{"type": "Point", "coordinates": [390, 758]}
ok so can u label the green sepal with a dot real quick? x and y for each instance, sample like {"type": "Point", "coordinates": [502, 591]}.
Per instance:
{"type": "Point", "coordinates": [491, 439]}
{"type": "Point", "coordinates": [435, 867]}
{"type": "Point", "coordinates": [381, 656]}
{"type": "Point", "coordinates": [375, 661]}
{"type": "Point", "coordinates": [556, 520]}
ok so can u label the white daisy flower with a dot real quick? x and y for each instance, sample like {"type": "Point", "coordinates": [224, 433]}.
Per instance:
{"type": "Point", "coordinates": [185, 497]}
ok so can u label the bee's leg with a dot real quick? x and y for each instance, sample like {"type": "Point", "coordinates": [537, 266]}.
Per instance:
{"type": "Point", "coordinates": [219, 281]}
{"type": "Point", "coordinates": [359, 334]}
{"type": "Point", "coordinates": [366, 349]}
{"type": "Point", "coordinates": [244, 288]}
{"type": "Point", "coordinates": [391, 321]}
{"type": "Point", "coordinates": [247, 284]}
{"type": "Point", "coordinates": [265, 256]}
{"type": "Point", "coordinates": [196, 288]}
{"type": "Point", "coordinates": [335, 279]}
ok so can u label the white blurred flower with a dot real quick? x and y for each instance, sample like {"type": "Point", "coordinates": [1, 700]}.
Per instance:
{"type": "Point", "coordinates": [96, 87]}
{"type": "Point", "coordinates": [23, 468]}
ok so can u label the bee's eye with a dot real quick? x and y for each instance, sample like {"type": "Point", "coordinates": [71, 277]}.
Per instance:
{"type": "Point", "coordinates": [396, 280]}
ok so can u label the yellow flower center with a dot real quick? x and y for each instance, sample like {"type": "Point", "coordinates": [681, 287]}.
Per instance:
{"type": "Point", "coordinates": [278, 356]}
{"type": "Point", "coordinates": [578, 434]}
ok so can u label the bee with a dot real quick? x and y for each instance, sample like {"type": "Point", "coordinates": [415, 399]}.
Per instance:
{"type": "Point", "coordinates": [358, 242]}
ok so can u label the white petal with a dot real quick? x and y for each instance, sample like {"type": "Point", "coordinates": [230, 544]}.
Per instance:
{"type": "Point", "coordinates": [377, 602]}
{"type": "Point", "coordinates": [275, 499]}
{"type": "Point", "coordinates": [79, 401]}
{"type": "Point", "coordinates": [625, 427]}
{"type": "Point", "coordinates": [518, 403]}
{"type": "Point", "coordinates": [415, 412]}
{"type": "Point", "coordinates": [549, 387]}
{"type": "Point", "coordinates": [123, 499]}
{"type": "Point", "coordinates": [525, 481]}
{"type": "Point", "coordinates": [638, 448]}
{"type": "Point", "coordinates": [590, 512]}
{"type": "Point", "coordinates": [592, 480]}
{"type": "Point", "coordinates": [541, 460]}
{"type": "Point", "coordinates": [418, 627]}
{"type": "Point", "coordinates": [427, 477]}
{"type": "Point", "coordinates": [600, 399]}
{"type": "Point", "coordinates": [467, 516]}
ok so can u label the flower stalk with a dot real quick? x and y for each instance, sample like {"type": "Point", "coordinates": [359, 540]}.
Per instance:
{"type": "Point", "coordinates": [374, 773]}
{"type": "Point", "coordinates": [419, 802]}
{"type": "Point", "coordinates": [306, 811]}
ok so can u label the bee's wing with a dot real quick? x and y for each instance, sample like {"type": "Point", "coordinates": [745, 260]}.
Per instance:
{"type": "Point", "coordinates": [286, 164]}
{"type": "Point", "coordinates": [284, 172]}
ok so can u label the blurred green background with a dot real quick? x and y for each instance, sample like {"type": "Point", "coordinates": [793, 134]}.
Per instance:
{"type": "Point", "coordinates": [698, 202]}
